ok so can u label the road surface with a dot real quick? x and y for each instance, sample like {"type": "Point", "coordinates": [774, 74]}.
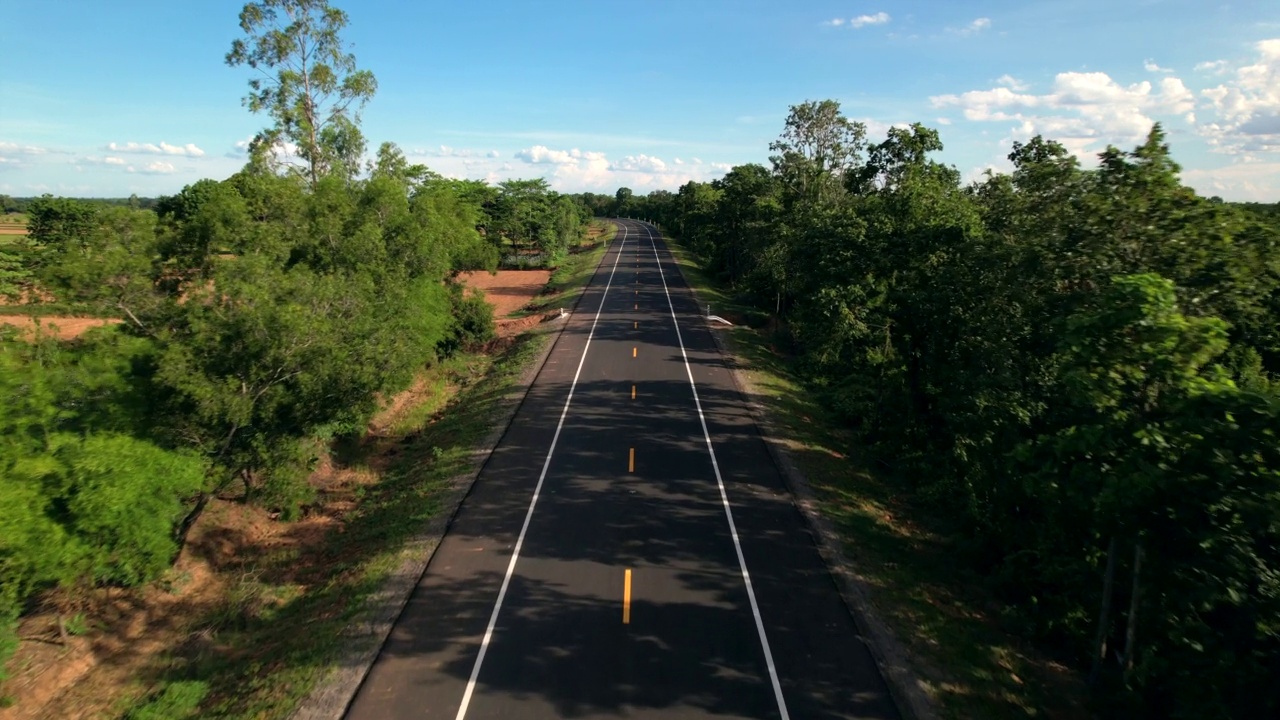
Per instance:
{"type": "Point", "coordinates": [630, 549]}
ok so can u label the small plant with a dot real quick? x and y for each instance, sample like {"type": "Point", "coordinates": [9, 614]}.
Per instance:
{"type": "Point", "coordinates": [178, 700]}
{"type": "Point", "coordinates": [76, 625]}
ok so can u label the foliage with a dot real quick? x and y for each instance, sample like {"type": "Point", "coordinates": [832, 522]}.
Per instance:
{"type": "Point", "coordinates": [472, 323]}
{"type": "Point", "coordinates": [534, 220]}
{"type": "Point", "coordinates": [1078, 364]}
{"type": "Point", "coordinates": [85, 502]}
{"type": "Point", "coordinates": [315, 86]}
{"type": "Point", "coordinates": [13, 274]}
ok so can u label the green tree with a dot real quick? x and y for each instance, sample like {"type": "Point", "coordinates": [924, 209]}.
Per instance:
{"type": "Point", "coordinates": [316, 92]}
{"type": "Point", "coordinates": [818, 148]}
{"type": "Point", "coordinates": [622, 201]}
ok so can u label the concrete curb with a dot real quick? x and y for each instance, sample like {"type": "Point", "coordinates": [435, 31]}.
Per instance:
{"type": "Point", "coordinates": [365, 636]}
{"type": "Point", "coordinates": [905, 685]}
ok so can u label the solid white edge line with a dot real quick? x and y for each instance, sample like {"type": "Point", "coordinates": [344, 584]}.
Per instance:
{"type": "Point", "coordinates": [537, 490]}
{"type": "Point", "coordinates": [724, 496]}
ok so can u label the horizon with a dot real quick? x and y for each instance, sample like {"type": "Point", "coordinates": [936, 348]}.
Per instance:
{"type": "Point", "coordinates": [594, 96]}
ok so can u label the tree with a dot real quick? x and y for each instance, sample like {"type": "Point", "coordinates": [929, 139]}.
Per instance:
{"type": "Point", "coordinates": [817, 148]}
{"type": "Point", "coordinates": [315, 85]}
{"type": "Point", "coordinates": [622, 201]}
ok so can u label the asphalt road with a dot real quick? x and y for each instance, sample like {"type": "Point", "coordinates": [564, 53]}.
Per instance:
{"type": "Point", "coordinates": [594, 570]}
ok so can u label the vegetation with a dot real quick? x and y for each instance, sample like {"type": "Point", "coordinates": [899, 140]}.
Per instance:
{"type": "Point", "coordinates": [1077, 365]}
{"type": "Point", "coordinates": [263, 316]}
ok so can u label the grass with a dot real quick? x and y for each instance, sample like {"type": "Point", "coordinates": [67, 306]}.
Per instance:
{"type": "Point", "coordinates": [903, 549]}
{"type": "Point", "coordinates": [281, 628]}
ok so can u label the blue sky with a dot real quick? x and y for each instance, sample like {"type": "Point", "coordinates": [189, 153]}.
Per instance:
{"type": "Point", "coordinates": [112, 98]}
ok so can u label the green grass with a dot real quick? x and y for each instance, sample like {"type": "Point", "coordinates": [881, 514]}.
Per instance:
{"type": "Point", "coordinates": [281, 627]}
{"type": "Point", "coordinates": [905, 551]}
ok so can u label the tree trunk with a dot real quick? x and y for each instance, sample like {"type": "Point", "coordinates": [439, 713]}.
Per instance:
{"type": "Point", "coordinates": [185, 526]}
{"type": "Point", "coordinates": [1131, 624]}
{"type": "Point", "coordinates": [1104, 615]}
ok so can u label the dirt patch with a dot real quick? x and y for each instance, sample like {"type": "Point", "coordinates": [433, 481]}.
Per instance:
{"type": "Point", "coordinates": [63, 328]}
{"type": "Point", "coordinates": [509, 292]}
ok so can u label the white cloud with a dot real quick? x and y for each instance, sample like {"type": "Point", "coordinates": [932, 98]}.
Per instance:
{"type": "Point", "coordinates": [95, 160]}
{"type": "Point", "coordinates": [1247, 105]}
{"type": "Point", "coordinates": [1217, 67]}
{"type": "Point", "coordinates": [640, 163]}
{"type": "Point", "coordinates": [977, 26]}
{"type": "Point", "coordinates": [574, 170]}
{"type": "Point", "coordinates": [282, 150]}
{"type": "Point", "coordinates": [943, 121]}
{"type": "Point", "coordinates": [11, 148]}
{"type": "Point", "coordinates": [163, 148]}
{"type": "Point", "coordinates": [1011, 82]}
{"type": "Point", "coordinates": [156, 168]}
{"type": "Point", "coordinates": [1256, 181]}
{"type": "Point", "coordinates": [1083, 111]}
{"type": "Point", "coordinates": [1150, 66]}
{"type": "Point", "coordinates": [879, 18]}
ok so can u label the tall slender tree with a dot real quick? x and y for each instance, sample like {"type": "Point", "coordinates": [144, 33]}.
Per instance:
{"type": "Point", "coordinates": [307, 82]}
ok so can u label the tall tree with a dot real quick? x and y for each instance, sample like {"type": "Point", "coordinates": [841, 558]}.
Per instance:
{"type": "Point", "coordinates": [817, 148]}
{"type": "Point", "coordinates": [308, 82]}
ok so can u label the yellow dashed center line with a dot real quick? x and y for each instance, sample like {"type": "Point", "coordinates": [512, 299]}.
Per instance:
{"type": "Point", "coordinates": [633, 352]}
{"type": "Point", "coordinates": [633, 392]}
{"type": "Point", "coordinates": [626, 597]}
{"type": "Point", "coordinates": [631, 461]}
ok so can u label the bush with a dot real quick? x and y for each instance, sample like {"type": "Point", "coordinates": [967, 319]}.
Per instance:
{"type": "Point", "coordinates": [472, 324]}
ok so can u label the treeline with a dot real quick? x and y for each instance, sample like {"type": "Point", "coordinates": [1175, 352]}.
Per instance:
{"type": "Point", "coordinates": [10, 204]}
{"type": "Point", "coordinates": [260, 317]}
{"type": "Point", "coordinates": [1078, 364]}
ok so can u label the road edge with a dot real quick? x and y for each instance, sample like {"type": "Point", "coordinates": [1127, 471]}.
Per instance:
{"type": "Point", "coordinates": [366, 636]}
{"type": "Point", "coordinates": [905, 685]}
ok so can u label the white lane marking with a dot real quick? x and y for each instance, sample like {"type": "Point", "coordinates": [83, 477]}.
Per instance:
{"type": "Point", "coordinates": [537, 490]}
{"type": "Point", "coordinates": [724, 496]}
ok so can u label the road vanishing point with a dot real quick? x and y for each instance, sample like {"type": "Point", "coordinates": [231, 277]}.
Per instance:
{"type": "Point", "coordinates": [630, 549]}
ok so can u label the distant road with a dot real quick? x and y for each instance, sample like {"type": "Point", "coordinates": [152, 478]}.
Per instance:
{"type": "Point", "coordinates": [594, 571]}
